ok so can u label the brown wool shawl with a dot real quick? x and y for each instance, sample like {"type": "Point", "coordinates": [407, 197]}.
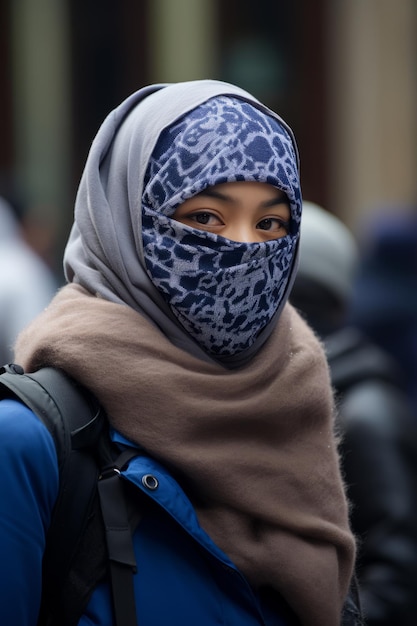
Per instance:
{"type": "Point", "coordinates": [253, 447]}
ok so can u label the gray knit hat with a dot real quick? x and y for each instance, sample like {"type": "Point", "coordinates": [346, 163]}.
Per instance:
{"type": "Point", "coordinates": [328, 251]}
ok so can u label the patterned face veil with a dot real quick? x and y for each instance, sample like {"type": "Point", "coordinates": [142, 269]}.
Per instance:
{"type": "Point", "coordinates": [224, 293]}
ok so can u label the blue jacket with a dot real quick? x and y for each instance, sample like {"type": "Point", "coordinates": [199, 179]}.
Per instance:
{"type": "Point", "coordinates": [183, 578]}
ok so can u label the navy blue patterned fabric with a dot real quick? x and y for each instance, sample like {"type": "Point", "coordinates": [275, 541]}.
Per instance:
{"type": "Point", "coordinates": [223, 292]}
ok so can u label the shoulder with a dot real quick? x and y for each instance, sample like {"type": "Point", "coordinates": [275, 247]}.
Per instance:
{"type": "Point", "coordinates": [29, 487]}
{"type": "Point", "coordinates": [17, 419]}
{"type": "Point", "coordinates": [25, 439]}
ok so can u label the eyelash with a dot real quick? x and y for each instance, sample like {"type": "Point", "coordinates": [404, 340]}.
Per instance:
{"type": "Point", "coordinates": [282, 223]}
{"type": "Point", "coordinates": [209, 214]}
{"type": "Point", "coordinates": [278, 227]}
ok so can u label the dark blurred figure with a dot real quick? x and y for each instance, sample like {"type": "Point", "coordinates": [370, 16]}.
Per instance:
{"type": "Point", "coordinates": [379, 437]}
{"type": "Point", "coordinates": [384, 302]}
{"type": "Point", "coordinates": [26, 283]}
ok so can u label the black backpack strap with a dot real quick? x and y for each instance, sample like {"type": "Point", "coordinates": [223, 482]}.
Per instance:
{"type": "Point", "coordinates": [119, 539]}
{"type": "Point", "coordinates": [75, 538]}
{"type": "Point", "coordinates": [75, 420]}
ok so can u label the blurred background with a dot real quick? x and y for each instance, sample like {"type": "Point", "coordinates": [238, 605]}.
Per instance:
{"type": "Point", "coordinates": [341, 72]}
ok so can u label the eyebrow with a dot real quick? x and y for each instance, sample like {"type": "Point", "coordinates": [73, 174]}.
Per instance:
{"type": "Point", "coordinates": [278, 199]}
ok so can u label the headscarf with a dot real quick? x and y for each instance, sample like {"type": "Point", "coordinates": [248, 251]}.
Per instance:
{"type": "Point", "coordinates": [223, 292]}
{"type": "Point", "coordinates": [105, 249]}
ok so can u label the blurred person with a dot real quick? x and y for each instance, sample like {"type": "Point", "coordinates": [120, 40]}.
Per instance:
{"type": "Point", "coordinates": [384, 300]}
{"type": "Point", "coordinates": [179, 265]}
{"type": "Point", "coordinates": [379, 438]}
{"type": "Point", "coordinates": [26, 283]}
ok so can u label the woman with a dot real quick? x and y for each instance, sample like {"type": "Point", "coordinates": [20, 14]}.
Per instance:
{"type": "Point", "coordinates": [179, 266]}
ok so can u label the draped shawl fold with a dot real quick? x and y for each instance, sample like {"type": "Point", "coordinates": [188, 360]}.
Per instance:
{"type": "Point", "coordinates": [104, 253]}
{"type": "Point", "coordinates": [253, 447]}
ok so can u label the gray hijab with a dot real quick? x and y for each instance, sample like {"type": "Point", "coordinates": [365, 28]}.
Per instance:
{"type": "Point", "coordinates": [104, 253]}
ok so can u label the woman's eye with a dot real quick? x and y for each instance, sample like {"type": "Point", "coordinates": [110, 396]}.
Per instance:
{"type": "Point", "coordinates": [274, 224]}
{"type": "Point", "coordinates": [203, 218]}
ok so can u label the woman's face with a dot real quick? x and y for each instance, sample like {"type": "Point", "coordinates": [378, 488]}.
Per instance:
{"type": "Point", "coordinates": [246, 212]}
